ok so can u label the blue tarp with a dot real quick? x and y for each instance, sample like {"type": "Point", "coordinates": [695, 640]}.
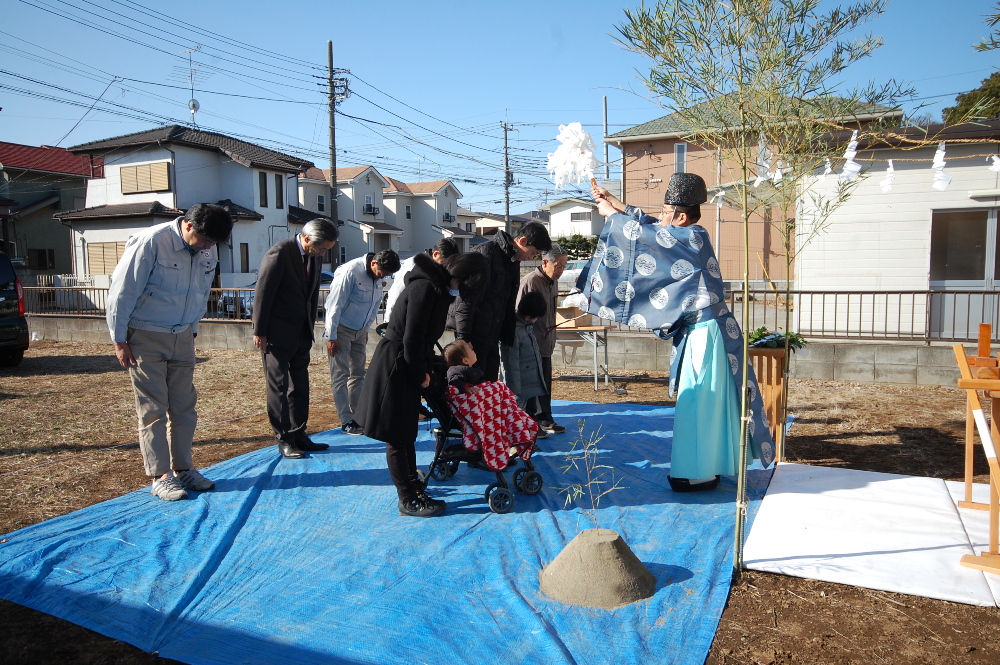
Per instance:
{"type": "Point", "coordinates": [307, 561]}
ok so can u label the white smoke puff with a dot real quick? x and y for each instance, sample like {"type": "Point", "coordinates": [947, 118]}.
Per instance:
{"type": "Point", "coordinates": [574, 159]}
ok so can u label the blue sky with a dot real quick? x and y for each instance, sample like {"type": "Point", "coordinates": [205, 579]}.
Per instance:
{"type": "Point", "coordinates": [440, 77]}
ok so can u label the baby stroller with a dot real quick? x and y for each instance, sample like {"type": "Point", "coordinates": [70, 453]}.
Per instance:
{"type": "Point", "coordinates": [454, 428]}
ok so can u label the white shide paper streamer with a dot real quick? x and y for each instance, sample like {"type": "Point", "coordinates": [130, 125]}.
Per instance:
{"type": "Point", "coordinates": [574, 159]}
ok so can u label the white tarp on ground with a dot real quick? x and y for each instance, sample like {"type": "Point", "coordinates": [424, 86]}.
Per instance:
{"type": "Point", "coordinates": [876, 530]}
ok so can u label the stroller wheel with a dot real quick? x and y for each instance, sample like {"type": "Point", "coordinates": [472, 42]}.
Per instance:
{"type": "Point", "coordinates": [441, 471]}
{"type": "Point", "coordinates": [489, 490]}
{"type": "Point", "coordinates": [531, 483]}
{"type": "Point", "coordinates": [518, 478]}
{"type": "Point", "coordinates": [501, 500]}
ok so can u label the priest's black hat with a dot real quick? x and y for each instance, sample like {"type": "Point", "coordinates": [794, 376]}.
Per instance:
{"type": "Point", "coordinates": [685, 189]}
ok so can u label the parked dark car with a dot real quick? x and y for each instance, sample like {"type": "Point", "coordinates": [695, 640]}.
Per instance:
{"type": "Point", "coordinates": [13, 325]}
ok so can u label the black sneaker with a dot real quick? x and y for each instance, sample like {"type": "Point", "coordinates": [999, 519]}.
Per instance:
{"type": "Point", "coordinates": [550, 427]}
{"type": "Point", "coordinates": [429, 502]}
{"type": "Point", "coordinates": [417, 508]}
{"type": "Point", "coordinates": [351, 427]}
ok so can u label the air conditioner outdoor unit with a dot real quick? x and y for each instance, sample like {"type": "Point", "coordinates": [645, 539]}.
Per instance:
{"type": "Point", "coordinates": [370, 209]}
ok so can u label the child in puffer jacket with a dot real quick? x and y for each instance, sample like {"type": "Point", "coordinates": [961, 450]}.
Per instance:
{"type": "Point", "coordinates": [522, 362]}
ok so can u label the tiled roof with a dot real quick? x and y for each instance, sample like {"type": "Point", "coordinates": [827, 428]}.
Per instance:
{"type": "Point", "coordinates": [242, 152]}
{"type": "Point", "coordinates": [46, 158]}
{"type": "Point", "coordinates": [397, 186]}
{"type": "Point", "coordinates": [427, 187]}
{"type": "Point", "coordinates": [676, 124]}
{"type": "Point", "coordinates": [155, 209]}
{"type": "Point", "coordinates": [239, 212]}
{"type": "Point", "coordinates": [297, 215]}
{"type": "Point", "coordinates": [343, 173]}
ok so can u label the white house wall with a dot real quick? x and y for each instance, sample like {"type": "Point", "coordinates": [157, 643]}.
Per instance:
{"type": "Point", "coordinates": [879, 241]}
{"type": "Point", "coordinates": [108, 190]}
{"type": "Point", "coordinates": [561, 223]}
{"type": "Point", "coordinates": [197, 177]}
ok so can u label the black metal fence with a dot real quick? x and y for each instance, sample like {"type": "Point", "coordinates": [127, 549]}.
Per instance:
{"type": "Point", "coordinates": [921, 316]}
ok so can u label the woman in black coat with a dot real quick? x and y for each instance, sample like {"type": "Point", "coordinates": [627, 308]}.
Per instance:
{"type": "Point", "coordinates": [402, 364]}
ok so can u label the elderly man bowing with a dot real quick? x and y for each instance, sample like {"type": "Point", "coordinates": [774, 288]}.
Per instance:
{"type": "Point", "coordinates": [545, 280]}
{"type": "Point", "coordinates": [284, 315]}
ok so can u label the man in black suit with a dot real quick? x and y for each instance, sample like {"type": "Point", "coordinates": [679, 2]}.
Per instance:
{"type": "Point", "coordinates": [284, 314]}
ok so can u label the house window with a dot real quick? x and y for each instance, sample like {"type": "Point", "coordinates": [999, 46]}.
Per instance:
{"type": "Point", "coordinates": [680, 157]}
{"type": "Point", "coordinates": [279, 191]}
{"type": "Point", "coordinates": [262, 181]}
{"type": "Point", "coordinates": [959, 248]}
{"type": "Point", "coordinates": [343, 255]}
{"type": "Point", "coordinates": [579, 217]}
{"type": "Point", "coordinates": [102, 257]}
{"type": "Point", "coordinates": [408, 213]}
{"type": "Point", "coordinates": [40, 259]}
{"type": "Point", "coordinates": [320, 202]}
{"type": "Point", "coordinates": [469, 227]}
{"type": "Point", "coordinates": [368, 200]}
{"type": "Point", "coordinates": [244, 257]}
{"type": "Point", "coordinates": [146, 178]}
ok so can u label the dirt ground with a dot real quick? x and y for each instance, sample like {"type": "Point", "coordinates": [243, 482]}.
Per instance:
{"type": "Point", "coordinates": [67, 432]}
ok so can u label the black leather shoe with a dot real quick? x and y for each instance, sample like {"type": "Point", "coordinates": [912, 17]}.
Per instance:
{"type": "Point", "coordinates": [685, 485]}
{"type": "Point", "coordinates": [288, 451]}
{"type": "Point", "coordinates": [308, 445]}
{"type": "Point", "coordinates": [417, 508]}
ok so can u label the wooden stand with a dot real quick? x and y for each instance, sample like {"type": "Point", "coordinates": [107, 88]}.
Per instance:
{"type": "Point", "coordinates": [769, 366]}
{"type": "Point", "coordinates": [987, 379]}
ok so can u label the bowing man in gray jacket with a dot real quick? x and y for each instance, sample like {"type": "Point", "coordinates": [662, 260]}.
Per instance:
{"type": "Point", "coordinates": [284, 314]}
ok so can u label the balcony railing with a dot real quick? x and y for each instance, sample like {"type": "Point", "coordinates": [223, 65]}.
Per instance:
{"type": "Point", "coordinates": [919, 316]}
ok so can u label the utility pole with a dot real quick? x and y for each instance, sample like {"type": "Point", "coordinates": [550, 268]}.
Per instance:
{"type": "Point", "coordinates": [507, 178]}
{"type": "Point", "coordinates": [607, 165]}
{"type": "Point", "coordinates": [333, 132]}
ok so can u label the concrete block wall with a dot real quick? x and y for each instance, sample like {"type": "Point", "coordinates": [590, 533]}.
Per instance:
{"type": "Point", "coordinates": [859, 362]}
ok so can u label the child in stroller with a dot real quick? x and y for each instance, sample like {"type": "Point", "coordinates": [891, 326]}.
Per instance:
{"type": "Point", "coordinates": [494, 430]}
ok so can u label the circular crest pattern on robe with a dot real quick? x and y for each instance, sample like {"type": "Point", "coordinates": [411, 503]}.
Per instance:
{"type": "Point", "coordinates": [684, 287]}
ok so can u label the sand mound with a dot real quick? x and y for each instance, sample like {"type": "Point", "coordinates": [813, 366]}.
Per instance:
{"type": "Point", "coordinates": [597, 569]}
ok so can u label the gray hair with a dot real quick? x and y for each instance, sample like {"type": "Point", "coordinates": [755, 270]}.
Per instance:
{"type": "Point", "coordinates": [555, 252]}
{"type": "Point", "coordinates": [321, 230]}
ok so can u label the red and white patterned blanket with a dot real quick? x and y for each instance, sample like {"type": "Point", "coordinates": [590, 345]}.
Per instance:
{"type": "Point", "coordinates": [493, 422]}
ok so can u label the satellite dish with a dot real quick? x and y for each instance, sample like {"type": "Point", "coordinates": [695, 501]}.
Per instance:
{"type": "Point", "coordinates": [194, 105]}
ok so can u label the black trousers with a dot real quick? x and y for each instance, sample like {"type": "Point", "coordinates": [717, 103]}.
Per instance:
{"type": "Point", "coordinates": [540, 408]}
{"type": "Point", "coordinates": [287, 380]}
{"type": "Point", "coordinates": [401, 459]}
{"type": "Point", "coordinates": [488, 359]}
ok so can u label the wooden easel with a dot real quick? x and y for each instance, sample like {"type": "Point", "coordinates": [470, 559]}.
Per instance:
{"type": "Point", "coordinates": [987, 379]}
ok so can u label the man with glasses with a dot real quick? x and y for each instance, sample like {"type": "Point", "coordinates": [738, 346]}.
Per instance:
{"type": "Point", "coordinates": [284, 318]}
{"type": "Point", "coordinates": [660, 273]}
{"type": "Point", "coordinates": [159, 292]}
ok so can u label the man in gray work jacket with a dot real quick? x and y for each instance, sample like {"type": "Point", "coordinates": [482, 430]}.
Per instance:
{"type": "Point", "coordinates": [158, 294]}
{"type": "Point", "coordinates": [354, 299]}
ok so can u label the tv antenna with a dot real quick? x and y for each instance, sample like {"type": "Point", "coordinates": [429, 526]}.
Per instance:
{"type": "Point", "coordinates": [192, 75]}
